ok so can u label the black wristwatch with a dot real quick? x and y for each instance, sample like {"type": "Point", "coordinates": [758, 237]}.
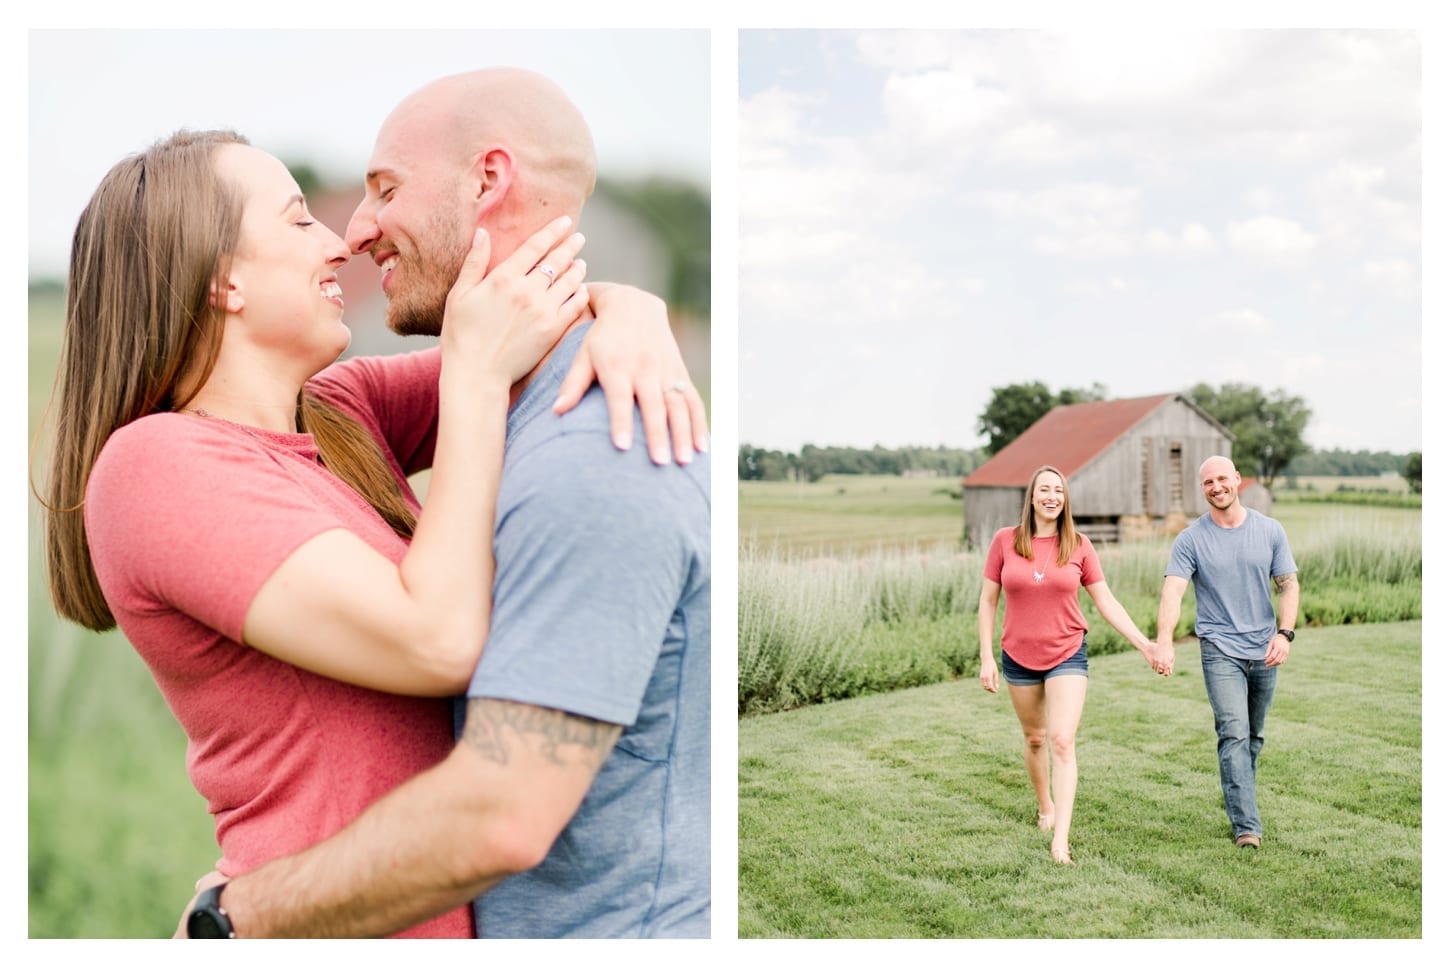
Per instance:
{"type": "Point", "coordinates": [208, 921]}
{"type": "Point", "coordinates": [1288, 634]}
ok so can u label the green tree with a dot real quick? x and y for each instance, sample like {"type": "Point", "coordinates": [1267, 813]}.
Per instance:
{"type": "Point", "coordinates": [1013, 408]}
{"type": "Point", "coordinates": [680, 212]}
{"type": "Point", "coordinates": [1268, 429]}
{"type": "Point", "coordinates": [757, 464]}
{"type": "Point", "coordinates": [1412, 471]}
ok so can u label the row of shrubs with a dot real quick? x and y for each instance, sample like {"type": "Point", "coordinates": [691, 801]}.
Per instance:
{"type": "Point", "coordinates": [1363, 498]}
{"type": "Point", "coordinates": [818, 629]}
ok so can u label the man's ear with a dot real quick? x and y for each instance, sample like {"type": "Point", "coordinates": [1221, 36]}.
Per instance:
{"type": "Point", "coordinates": [227, 297]}
{"type": "Point", "coordinates": [491, 177]}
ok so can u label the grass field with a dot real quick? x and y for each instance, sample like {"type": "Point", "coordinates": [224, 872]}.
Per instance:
{"type": "Point", "coordinates": [851, 513]}
{"type": "Point", "coordinates": [847, 514]}
{"type": "Point", "coordinates": [1393, 484]}
{"type": "Point", "coordinates": [117, 835]}
{"type": "Point", "coordinates": [909, 814]}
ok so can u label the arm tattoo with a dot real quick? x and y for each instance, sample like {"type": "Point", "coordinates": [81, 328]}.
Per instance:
{"type": "Point", "coordinates": [1285, 581]}
{"type": "Point", "coordinates": [496, 728]}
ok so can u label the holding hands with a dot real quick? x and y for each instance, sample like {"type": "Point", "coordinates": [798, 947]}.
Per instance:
{"type": "Point", "coordinates": [1161, 656]}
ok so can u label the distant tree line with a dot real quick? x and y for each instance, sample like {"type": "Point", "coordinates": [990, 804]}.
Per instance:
{"type": "Point", "coordinates": [813, 462]}
{"type": "Point", "coordinates": [1346, 463]}
{"type": "Point", "coordinates": [1268, 431]}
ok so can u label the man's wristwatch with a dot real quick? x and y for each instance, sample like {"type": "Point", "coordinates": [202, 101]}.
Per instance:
{"type": "Point", "coordinates": [208, 921]}
{"type": "Point", "coordinates": [1288, 634]}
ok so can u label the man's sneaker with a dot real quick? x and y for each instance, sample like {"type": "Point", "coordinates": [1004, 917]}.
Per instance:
{"type": "Point", "coordinates": [1248, 840]}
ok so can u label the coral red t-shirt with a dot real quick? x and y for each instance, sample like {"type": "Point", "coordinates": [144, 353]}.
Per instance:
{"type": "Point", "coordinates": [1044, 624]}
{"type": "Point", "coordinates": [187, 517]}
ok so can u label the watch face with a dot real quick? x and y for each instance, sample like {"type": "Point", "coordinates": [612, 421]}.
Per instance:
{"type": "Point", "coordinates": [207, 925]}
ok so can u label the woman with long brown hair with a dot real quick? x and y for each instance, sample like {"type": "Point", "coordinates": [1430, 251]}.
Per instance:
{"type": "Point", "coordinates": [1041, 563]}
{"type": "Point", "coordinates": [240, 507]}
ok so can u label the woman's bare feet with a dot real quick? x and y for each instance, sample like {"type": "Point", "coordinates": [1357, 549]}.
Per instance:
{"type": "Point", "coordinates": [1061, 856]}
{"type": "Point", "coordinates": [1045, 821]}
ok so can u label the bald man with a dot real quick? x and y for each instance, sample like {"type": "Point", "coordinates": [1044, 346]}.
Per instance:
{"type": "Point", "coordinates": [1232, 554]}
{"type": "Point", "coordinates": [576, 802]}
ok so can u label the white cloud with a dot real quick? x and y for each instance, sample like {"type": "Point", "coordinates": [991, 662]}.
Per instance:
{"type": "Point", "coordinates": [1116, 65]}
{"type": "Point", "coordinates": [1271, 237]}
{"type": "Point", "coordinates": [1245, 319]}
{"type": "Point", "coordinates": [1097, 288]}
{"type": "Point", "coordinates": [770, 123]}
{"type": "Point", "coordinates": [1035, 142]}
{"type": "Point", "coordinates": [1395, 276]}
{"type": "Point", "coordinates": [1085, 245]}
{"type": "Point", "coordinates": [1261, 198]}
{"type": "Point", "coordinates": [940, 106]}
{"type": "Point", "coordinates": [801, 195]}
{"type": "Point", "coordinates": [784, 248]}
{"type": "Point", "coordinates": [1357, 199]}
{"type": "Point", "coordinates": [1079, 207]}
{"type": "Point", "coordinates": [1192, 239]}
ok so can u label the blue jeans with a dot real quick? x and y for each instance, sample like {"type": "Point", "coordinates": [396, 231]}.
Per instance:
{"type": "Point", "coordinates": [1240, 691]}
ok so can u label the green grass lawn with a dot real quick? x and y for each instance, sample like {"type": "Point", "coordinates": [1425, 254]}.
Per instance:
{"type": "Point", "coordinates": [910, 815]}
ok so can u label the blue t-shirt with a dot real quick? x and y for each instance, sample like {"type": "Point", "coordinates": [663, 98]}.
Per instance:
{"type": "Point", "coordinates": [602, 609]}
{"type": "Point", "coordinates": [1230, 568]}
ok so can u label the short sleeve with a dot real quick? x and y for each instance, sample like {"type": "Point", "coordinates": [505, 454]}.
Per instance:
{"type": "Point", "coordinates": [395, 397]}
{"type": "Point", "coordinates": [1283, 560]}
{"type": "Point", "coordinates": [992, 571]}
{"type": "Point", "coordinates": [1092, 569]}
{"type": "Point", "coordinates": [594, 548]}
{"type": "Point", "coordinates": [1182, 562]}
{"type": "Point", "coordinates": [183, 516]}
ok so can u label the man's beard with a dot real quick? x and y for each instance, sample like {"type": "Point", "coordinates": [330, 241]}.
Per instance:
{"type": "Point", "coordinates": [417, 307]}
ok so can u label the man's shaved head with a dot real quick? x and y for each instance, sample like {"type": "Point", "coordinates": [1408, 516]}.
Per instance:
{"type": "Point", "coordinates": [522, 112]}
{"type": "Point", "coordinates": [1216, 464]}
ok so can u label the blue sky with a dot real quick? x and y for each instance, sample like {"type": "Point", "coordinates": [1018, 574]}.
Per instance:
{"type": "Point", "coordinates": [925, 215]}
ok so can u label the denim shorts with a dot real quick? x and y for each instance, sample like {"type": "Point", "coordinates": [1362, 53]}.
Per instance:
{"type": "Point", "coordinates": [1074, 664]}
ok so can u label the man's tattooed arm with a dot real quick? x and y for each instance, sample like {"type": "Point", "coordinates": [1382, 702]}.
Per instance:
{"type": "Point", "coordinates": [500, 730]}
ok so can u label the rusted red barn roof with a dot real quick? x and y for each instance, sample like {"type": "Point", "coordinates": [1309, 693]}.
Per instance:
{"type": "Point", "coordinates": [1068, 437]}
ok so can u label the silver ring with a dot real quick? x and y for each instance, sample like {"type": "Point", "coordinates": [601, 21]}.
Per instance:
{"type": "Point", "coordinates": [678, 386]}
{"type": "Point", "coordinates": [547, 270]}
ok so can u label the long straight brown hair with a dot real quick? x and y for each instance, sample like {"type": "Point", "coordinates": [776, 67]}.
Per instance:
{"type": "Point", "coordinates": [1067, 537]}
{"type": "Point", "coordinates": [158, 231]}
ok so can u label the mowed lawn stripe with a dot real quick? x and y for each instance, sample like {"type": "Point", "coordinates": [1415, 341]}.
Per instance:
{"type": "Point", "coordinates": [910, 815]}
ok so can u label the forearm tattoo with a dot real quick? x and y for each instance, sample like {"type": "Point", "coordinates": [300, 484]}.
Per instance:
{"type": "Point", "coordinates": [1286, 581]}
{"type": "Point", "coordinates": [498, 730]}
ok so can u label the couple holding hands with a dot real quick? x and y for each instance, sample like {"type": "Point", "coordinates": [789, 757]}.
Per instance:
{"type": "Point", "coordinates": [1231, 555]}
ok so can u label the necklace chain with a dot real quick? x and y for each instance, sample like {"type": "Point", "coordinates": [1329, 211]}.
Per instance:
{"type": "Point", "coordinates": [1039, 576]}
{"type": "Point", "coordinates": [250, 430]}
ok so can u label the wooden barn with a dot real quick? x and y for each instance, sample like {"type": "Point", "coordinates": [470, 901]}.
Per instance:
{"type": "Point", "coordinates": [1131, 467]}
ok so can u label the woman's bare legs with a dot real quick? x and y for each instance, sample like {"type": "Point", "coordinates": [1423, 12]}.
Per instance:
{"type": "Point", "coordinates": [1064, 700]}
{"type": "Point", "coordinates": [1030, 701]}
